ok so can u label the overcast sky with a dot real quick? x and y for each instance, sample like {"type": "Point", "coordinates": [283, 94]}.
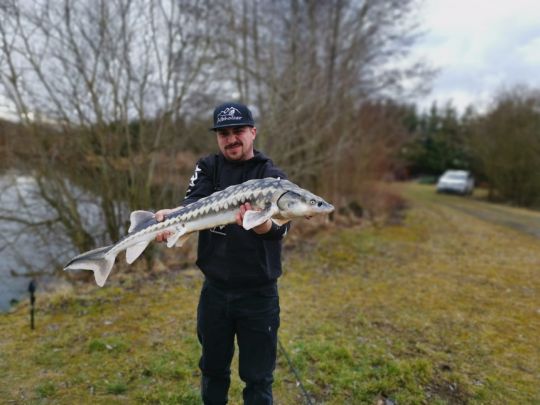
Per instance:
{"type": "Point", "coordinates": [480, 46]}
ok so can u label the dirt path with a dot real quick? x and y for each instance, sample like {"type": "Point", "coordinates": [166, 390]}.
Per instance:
{"type": "Point", "coordinates": [519, 219]}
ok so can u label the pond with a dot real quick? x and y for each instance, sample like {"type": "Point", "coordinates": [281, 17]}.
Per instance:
{"type": "Point", "coordinates": [33, 245]}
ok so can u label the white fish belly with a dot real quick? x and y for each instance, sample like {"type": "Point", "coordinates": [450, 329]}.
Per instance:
{"type": "Point", "coordinates": [211, 221]}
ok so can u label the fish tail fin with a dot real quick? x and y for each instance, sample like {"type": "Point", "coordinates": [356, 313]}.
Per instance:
{"type": "Point", "coordinates": [96, 260]}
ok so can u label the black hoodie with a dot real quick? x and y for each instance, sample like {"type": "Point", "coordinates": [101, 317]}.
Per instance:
{"type": "Point", "coordinates": [230, 256]}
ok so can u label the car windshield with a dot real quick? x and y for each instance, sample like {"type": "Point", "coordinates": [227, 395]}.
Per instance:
{"type": "Point", "coordinates": [456, 176]}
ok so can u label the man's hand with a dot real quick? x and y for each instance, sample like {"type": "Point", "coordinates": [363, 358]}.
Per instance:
{"type": "Point", "coordinates": [160, 216]}
{"type": "Point", "coordinates": [262, 228]}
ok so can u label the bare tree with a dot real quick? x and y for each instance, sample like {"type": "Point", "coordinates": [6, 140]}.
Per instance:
{"type": "Point", "coordinates": [506, 141]}
{"type": "Point", "coordinates": [109, 91]}
{"type": "Point", "coordinates": [309, 66]}
{"type": "Point", "coordinates": [101, 88]}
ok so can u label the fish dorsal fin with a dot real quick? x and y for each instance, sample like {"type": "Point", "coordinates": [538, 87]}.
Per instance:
{"type": "Point", "coordinates": [133, 252]}
{"type": "Point", "coordinates": [138, 217]}
{"type": "Point", "coordinates": [255, 218]}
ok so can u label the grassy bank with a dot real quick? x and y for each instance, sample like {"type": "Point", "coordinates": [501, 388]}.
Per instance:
{"type": "Point", "coordinates": [442, 308]}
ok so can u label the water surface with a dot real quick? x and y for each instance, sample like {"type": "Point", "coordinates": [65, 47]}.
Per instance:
{"type": "Point", "coordinates": [33, 244]}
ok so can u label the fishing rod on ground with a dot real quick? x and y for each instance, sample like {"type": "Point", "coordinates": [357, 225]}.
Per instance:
{"type": "Point", "coordinates": [296, 374]}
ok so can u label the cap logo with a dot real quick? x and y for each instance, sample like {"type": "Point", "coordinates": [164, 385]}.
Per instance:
{"type": "Point", "coordinates": [229, 114]}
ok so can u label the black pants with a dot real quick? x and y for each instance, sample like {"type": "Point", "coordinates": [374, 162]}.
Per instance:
{"type": "Point", "coordinates": [253, 316]}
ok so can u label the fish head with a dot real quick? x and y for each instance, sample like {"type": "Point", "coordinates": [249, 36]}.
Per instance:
{"type": "Point", "coordinates": [302, 203]}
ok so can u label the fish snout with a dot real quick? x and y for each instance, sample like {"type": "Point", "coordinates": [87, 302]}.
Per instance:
{"type": "Point", "coordinates": [326, 208]}
{"type": "Point", "coordinates": [320, 208]}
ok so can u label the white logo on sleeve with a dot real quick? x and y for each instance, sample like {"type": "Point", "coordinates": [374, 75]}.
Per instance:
{"type": "Point", "coordinates": [193, 179]}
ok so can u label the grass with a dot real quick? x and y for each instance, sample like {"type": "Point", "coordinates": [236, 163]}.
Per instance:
{"type": "Point", "coordinates": [442, 308]}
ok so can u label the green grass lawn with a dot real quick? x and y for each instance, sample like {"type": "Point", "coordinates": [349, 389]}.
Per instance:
{"type": "Point", "coordinates": [443, 308]}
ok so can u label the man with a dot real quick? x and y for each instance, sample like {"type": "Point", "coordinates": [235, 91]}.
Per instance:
{"type": "Point", "coordinates": [239, 296]}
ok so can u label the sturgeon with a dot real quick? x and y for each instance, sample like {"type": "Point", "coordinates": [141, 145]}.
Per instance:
{"type": "Point", "coordinates": [270, 198]}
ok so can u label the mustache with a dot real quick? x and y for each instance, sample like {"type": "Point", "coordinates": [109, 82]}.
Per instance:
{"type": "Point", "coordinates": [233, 145]}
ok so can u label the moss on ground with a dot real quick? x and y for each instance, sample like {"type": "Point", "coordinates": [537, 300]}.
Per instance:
{"type": "Point", "coordinates": [441, 309]}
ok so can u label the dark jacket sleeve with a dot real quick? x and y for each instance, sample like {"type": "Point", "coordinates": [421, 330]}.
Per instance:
{"type": "Point", "coordinates": [277, 232]}
{"type": "Point", "coordinates": [201, 183]}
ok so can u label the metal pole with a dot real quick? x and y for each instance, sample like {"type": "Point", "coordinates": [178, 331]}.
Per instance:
{"type": "Point", "coordinates": [32, 290]}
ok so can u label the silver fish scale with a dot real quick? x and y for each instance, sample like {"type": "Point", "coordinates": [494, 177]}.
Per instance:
{"type": "Point", "coordinates": [232, 196]}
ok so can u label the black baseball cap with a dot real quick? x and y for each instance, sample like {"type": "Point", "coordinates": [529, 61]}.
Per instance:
{"type": "Point", "coordinates": [232, 115]}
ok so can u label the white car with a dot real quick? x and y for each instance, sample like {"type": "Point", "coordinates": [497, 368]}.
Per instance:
{"type": "Point", "coordinates": [456, 181]}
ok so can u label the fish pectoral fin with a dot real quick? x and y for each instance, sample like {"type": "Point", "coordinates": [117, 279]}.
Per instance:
{"type": "Point", "coordinates": [133, 252]}
{"type": "Point", "coordinates": [182, 239]}
{"type": "Point", "coordinates": [138, 217]}
{"type": "Point", "coordinates": [255, 218]}
{"type": "Point", "coordinates": [177, 238]}
{"type": "Point", "coordinates": [280, 222]}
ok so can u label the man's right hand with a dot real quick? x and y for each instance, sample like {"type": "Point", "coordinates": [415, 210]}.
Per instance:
{"type": "Point", "coordinates": [160, 216]}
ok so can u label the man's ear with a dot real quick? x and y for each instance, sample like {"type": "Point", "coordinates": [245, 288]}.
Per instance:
{"type": "Point", "coordinates": [254, 132]}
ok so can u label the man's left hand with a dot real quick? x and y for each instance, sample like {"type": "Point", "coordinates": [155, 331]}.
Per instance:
{"type": "Point", "coordinates": [260, 229]}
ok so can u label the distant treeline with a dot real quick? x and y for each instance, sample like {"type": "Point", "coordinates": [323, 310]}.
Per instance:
{"type": "Point", "coordinates": [501, 146]}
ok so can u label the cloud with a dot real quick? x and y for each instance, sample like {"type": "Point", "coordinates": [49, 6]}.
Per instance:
{"type": "Point", "coordinates": [7, 109]}
{"type": "Point", "coordinates": [480, 46]}
{"type": "Point", "coordinates": [530, 52]}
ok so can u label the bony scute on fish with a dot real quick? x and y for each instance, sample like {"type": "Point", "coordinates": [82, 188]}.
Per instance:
{"type": "Point", "coordinates": [277, 199]}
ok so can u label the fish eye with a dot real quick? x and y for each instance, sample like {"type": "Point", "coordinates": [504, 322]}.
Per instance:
{"type": "Point", "coordinates": [312, 202]}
